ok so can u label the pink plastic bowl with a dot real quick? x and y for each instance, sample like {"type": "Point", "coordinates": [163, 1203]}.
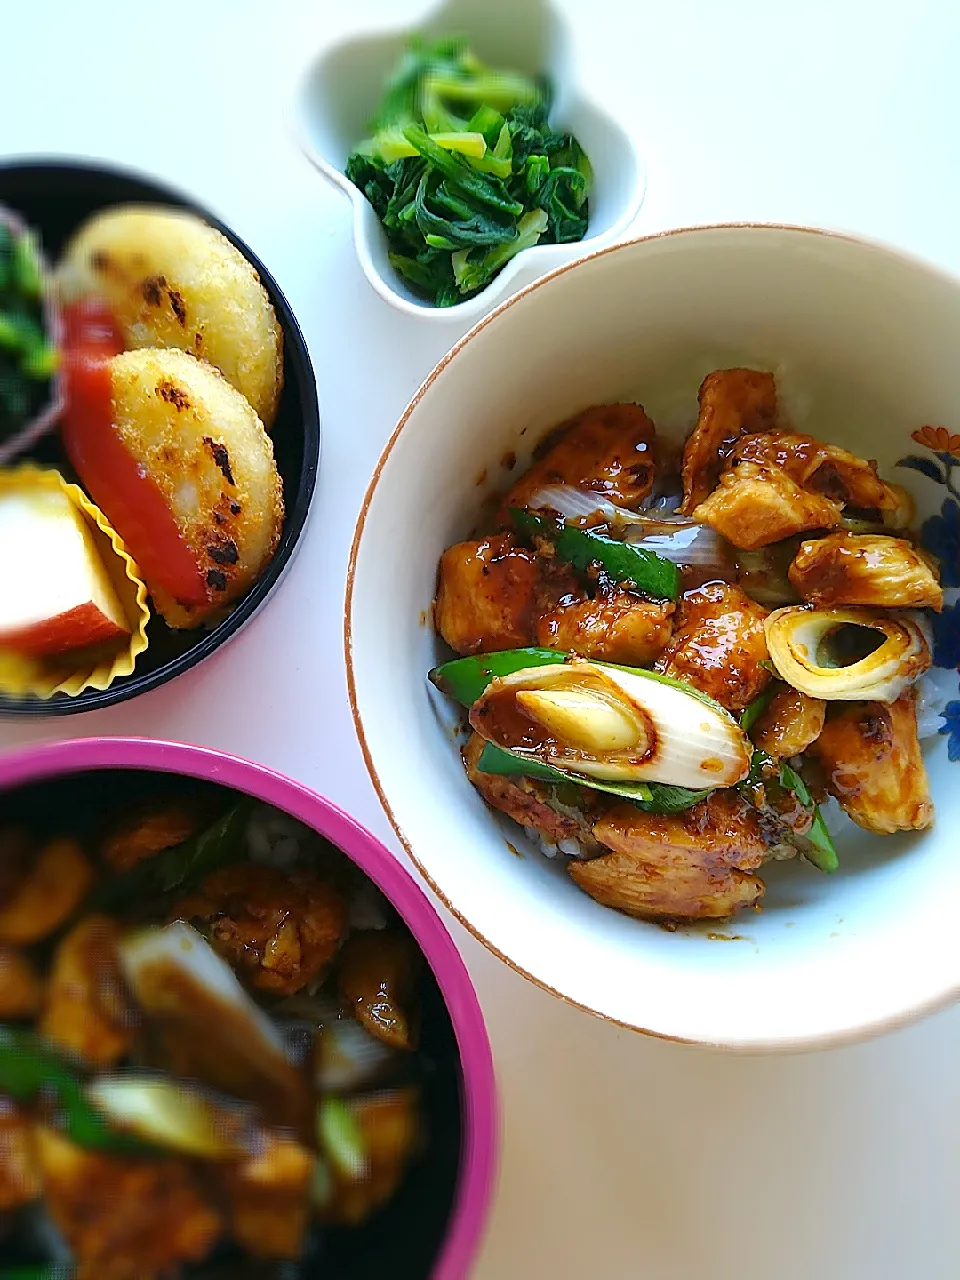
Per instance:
{"type": "Point", "coordinates": [479, 1111]}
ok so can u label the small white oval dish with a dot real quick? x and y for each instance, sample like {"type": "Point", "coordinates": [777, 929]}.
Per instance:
{"type": "Point", "coordinates": [339, 92]}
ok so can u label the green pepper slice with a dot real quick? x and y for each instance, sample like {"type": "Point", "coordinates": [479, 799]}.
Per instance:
{"type": "Point", "coordinates": [466, 679]}
{"type": "Point", "coordinates": [29, 1069]}
{"type": "Point", "coordinates": [632, 565]}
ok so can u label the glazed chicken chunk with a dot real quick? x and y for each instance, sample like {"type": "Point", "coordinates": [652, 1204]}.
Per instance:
{"type": "Point", "coordinates": [377, 976]}
{"type": "Point", "coordinates": [865, 569]}
{"type": "Point", "coordinates": [491, 592]}
{"type": "Point", "coordinates": [789, 724]}
{"type": "Point", "coordinates": [756, 504]}
{"type": "Point", "coordinates": [608, 450]}
{"type": "Point", "coordinates": [777, 484]}
{"type": "Point", "coordinates": [279, 931]}
{"type": "Point", "coordinates": [533, 804]}
{"type": "Point", "coordinates": [732, 401]}
{"type": "Point", "coordinates": [269, 1198]}
{"type": "Point", "coordinates": [389, 1124]}
{"type": "Point", "coordinates": [871, 761]}
{"type": "Point", "coordinates": [45, 890]}
{"type": "Point", "coordinates": [88, 1011]}
{"type": "Point", "coordinates": [718, 645]}
{"type": "Point", "coordinates": [692, 865]}
{"type": "Point", "coordinates": [21, 991]}
{"type": "Point", "coordinates": [123, 1218]}
{"type": "Point", "coordinates": [822, 468]}
{"type": "Point", "coordinates": [148, 828]}
{"type": "Point", "coordinates": [614, 627]}
{"type": "Point", "coordinates": [19, 1172]}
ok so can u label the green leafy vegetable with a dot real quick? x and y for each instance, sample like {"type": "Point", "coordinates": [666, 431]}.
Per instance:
{"type": "Point", "coordinates": [824, 852]}
{"type": "Point", "coordinates": [636, 566]}
{"type": "Point", "coordinates": [825, 856]}
{"type": "Point", "coordinates": [465, 679]}
{"type": "Point", "coordinates": [755, 709]}
{"type": "Point", "coordinates": [29, 1069]}
{"type": "Point", "coordinates": [180, 867]}
{"type": "Point", "coordinates": [652, 797]}
{"type": "Point", "coordinates": [819, 848]}
{"type": "Point", "coordinates": [465, 171]}
{"type": "Point", "coordinates": [494, 759]}
{"type": "Point", "coordinates": [28, 359]}
{"type": "Point", "coordinates": [667, 799]}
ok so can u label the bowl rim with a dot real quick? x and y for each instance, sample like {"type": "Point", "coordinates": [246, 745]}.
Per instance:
{"type": "Point", "coordinates": [825, 1040]}
{"type": "Point", "coordinates": [480, 1111]}
{"type": "Point", "coordinates": [500, 286]}
{"type": "Point", "coordinates": [297, 363]}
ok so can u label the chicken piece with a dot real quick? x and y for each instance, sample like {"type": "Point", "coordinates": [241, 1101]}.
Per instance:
{"type": "Point", "coordinates": [718, 645]}
{"type": "Point", "coordinates": [269, 1198]}
{"type": "Point", "coordinates": [124, 1218]}
{"type": "Point", "coordinates": [389, 1126]}
{"type": "Point", "coordinates": [534, 804]}
{"type": "Point", "coordinates": [377, 976]}
{"type": "Point", "coordinates": [789, 724]}
{"type": "Point", "coordinates": [821, 468]}
{"type": "Point", "coordinates": [148, 828]}
{"type": "Point", "coordinates": [872, 765]}
{"type": "Point", "coordinates": [865, 569]}
{"type": "Point", "coordinates": [608, 449]}
{"type": "Point", "coordinates": [278, 930]}
{"type": "Point", "coordinates": [732, 401]}
{"type": "Point", "coordinates": [21, 991]}
{"type": "Point", "coordinates": [694, 865]}
{"type": "Point", "coordinates": [16, 850]}
{"type": "Point", "coordinates": [19, 1174]}
{"type": "Point", "coordinates": [52, 886]}
{"type": "Point", "coordinates": [88, 1011]}
{"type": "Point", "coordinates": [490, 593]}
{"type": "Point", "coordinates": [618, 627]}
{"type": "Point", "coordinates": [756, 504]}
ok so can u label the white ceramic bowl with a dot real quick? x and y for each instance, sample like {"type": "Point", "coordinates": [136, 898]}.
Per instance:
{"type": "Point", "coordinates": [865, 344]}
{"type": "Point", "coordinates": [340, 91]}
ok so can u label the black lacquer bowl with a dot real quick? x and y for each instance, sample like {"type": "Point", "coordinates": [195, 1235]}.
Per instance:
{"type": "Point", "coordinates": [54, 197]}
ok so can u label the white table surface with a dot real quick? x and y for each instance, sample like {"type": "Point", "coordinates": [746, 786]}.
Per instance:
{"type": "Point", "coordinates": [623, 1156]}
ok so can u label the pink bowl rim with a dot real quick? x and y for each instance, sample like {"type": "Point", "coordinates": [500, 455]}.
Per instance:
{"type": "Point", "coordinates": [480, 1110]}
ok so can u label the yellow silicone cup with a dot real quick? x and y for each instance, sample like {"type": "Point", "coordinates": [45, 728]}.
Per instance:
{"type": "Point", "coordinates": [23, 677]}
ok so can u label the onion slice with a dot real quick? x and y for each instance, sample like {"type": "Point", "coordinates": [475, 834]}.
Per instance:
{"type": "Point", "coordinates": [673, 537]}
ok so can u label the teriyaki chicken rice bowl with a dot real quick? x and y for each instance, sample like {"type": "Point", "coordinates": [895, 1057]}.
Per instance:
{"type": "Point", "coordinates": [221, 1050]}
{"type": "Point", "coordinates": [671, 656]}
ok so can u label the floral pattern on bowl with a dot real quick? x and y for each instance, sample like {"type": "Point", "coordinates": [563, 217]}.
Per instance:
{"type": "Point", "coordinates": [940, 535]}
{"type": "Point", "coordinates": [342, 85]}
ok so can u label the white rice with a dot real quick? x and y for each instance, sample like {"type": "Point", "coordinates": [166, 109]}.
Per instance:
{"type": "Point", "coordinates": [935, 689]}
{"type": "Point", "coordinates": [570, 847]}
{"type": "Point", "coordinates": [274, 839]}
